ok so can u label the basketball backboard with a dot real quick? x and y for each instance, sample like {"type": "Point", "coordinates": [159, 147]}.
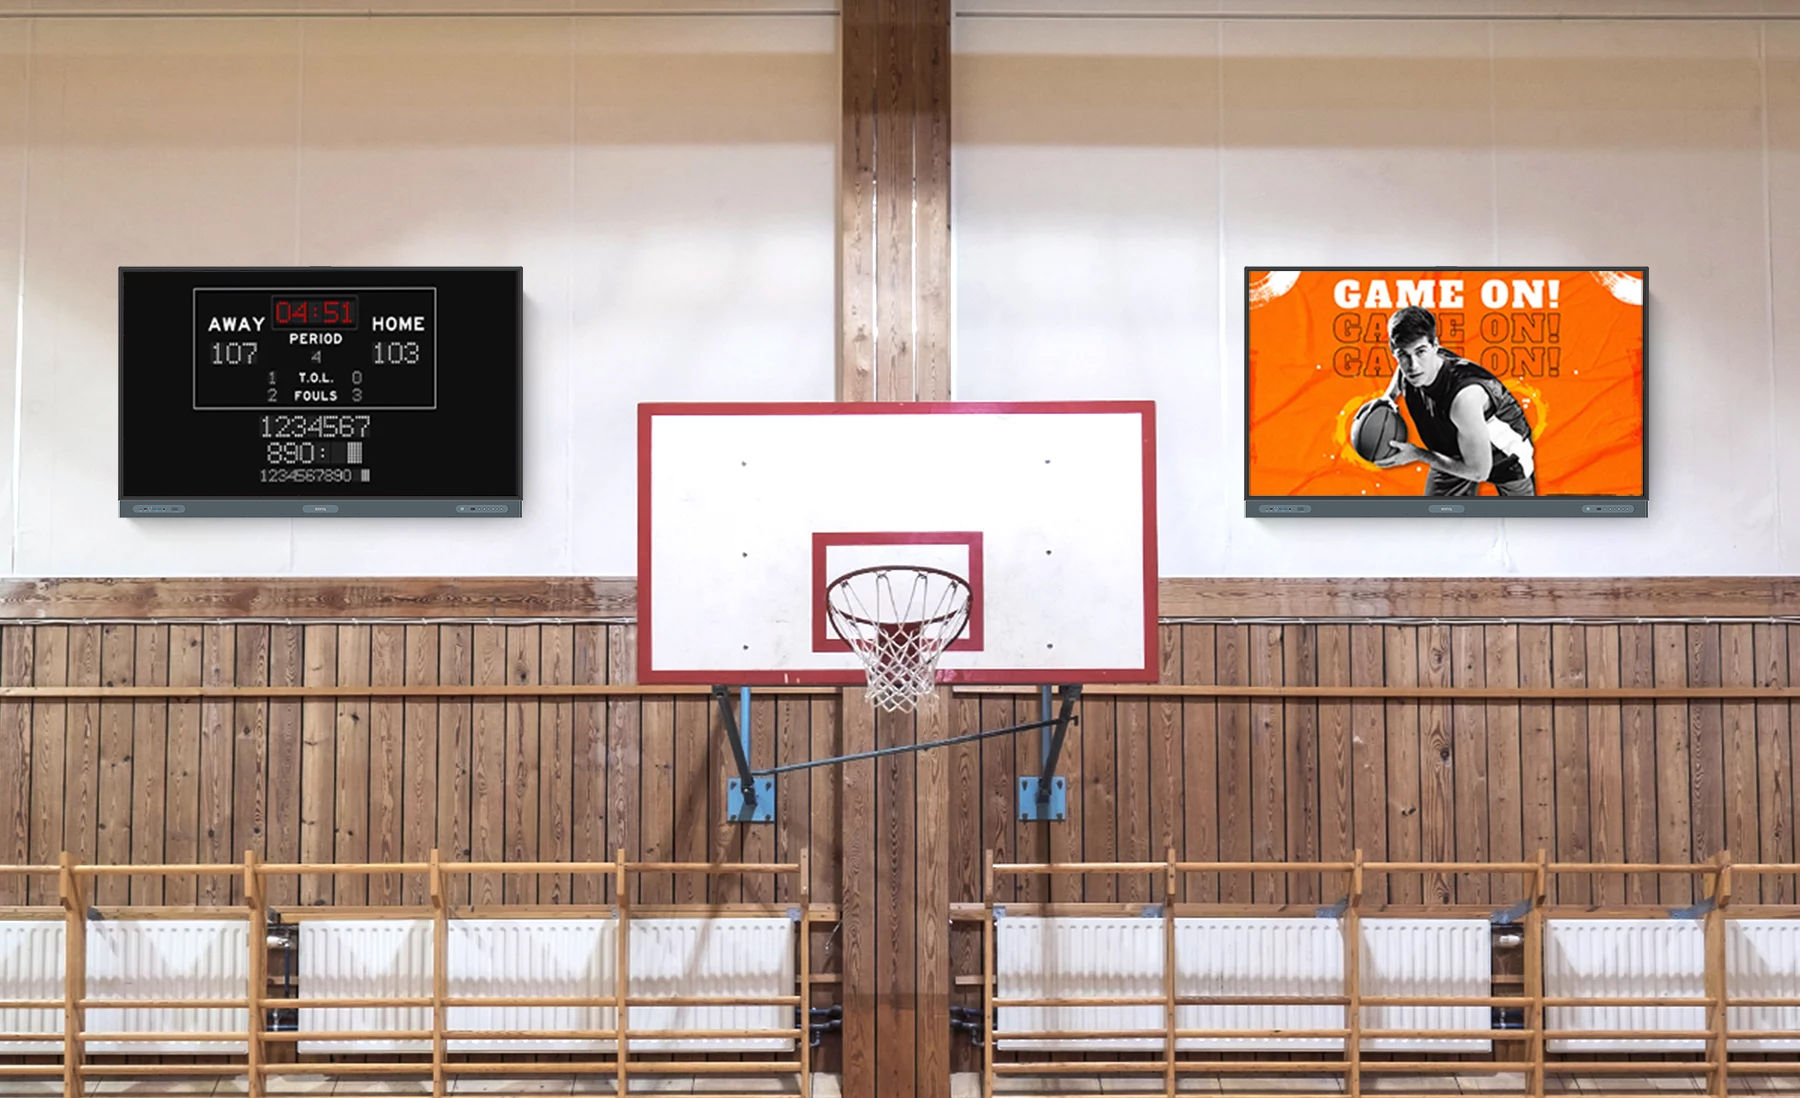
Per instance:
{"type": "Point", "coordinates": [747, 512]}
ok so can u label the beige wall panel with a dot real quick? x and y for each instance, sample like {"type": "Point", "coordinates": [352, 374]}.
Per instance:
{"type": "Point", "coordinates": [155, 144]}
{"type": "Point", "coordinates": [15, 43]}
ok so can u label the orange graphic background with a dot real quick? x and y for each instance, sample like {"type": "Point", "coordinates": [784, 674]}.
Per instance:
{"type": "Point", "coordinates": [1586, 417]}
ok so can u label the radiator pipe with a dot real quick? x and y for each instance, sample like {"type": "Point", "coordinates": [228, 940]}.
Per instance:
{"type": "Point", "coordinates": [968, 1020]}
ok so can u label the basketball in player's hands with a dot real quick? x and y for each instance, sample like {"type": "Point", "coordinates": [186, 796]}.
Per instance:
{"type": "Point", "coordinates": [1377, 423]}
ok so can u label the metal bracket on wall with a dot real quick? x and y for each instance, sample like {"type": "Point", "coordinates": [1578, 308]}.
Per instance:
{"type": "Point", "coordinates": [748, 799]}
{"type": "Point", "coordinates": [1045, 797]}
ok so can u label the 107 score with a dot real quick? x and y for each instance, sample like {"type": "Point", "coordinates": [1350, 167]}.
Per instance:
{"type": "Point", "coordinates": [391, 352]}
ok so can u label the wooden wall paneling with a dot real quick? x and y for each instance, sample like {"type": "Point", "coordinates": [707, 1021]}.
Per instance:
{"type": "Point", "coordinates": [857, 53]}
{"type": "Point", "coordinates": [181, 781]}
{"type": "Point", "coordinates": [82, 758]}
{"type": "Point", "coordinates": [696, 722]}
{"type": "Point", "coordinates": [1568, 662]}
{"type": "Point", "coordinates": [1706, 744]}
{"type": "Point", "coordinates": [251, 740]}
{"type": "Point", "coordinates": [624, 722]}
{"type": "Point", "coordinates": [286, 755]}
{"type": "Point", "coordinates": [49, 754]}
{"type": "Point", "coordinates": [210, 598]}
{"type": "Point", "coordinates": [487, 767]}
{"type": "Point", "coordinates": [1063, 840]}
{"type": "Point", "coordinates": [1674, 788]}
{"type": "Point", "coordinates": [758, 844]}
{"type": "Point", "coordinates": [218, 758]}
{"type": "Point", "coordinates": [1030, 840]}
{"type": "Point", "coordinates": [456, 756]}
{"type": "Point", "coordinates": [1469, 739]}
{"type": "Point", "coordinates": [1502, 801]}
{"type": "Point", "coordinates": [825, 834]}
{"type": "Point", "coordinates": [1775, 791]}
{"type": "Point", "coordinates": [556, 736]}
{"type": "Point", "coordinates": [1737, 666]}
{"type": "Point", "coordinates": [352, 716]}
{"type": "Point", "coordinates": [1099, 794]}
{"type": "Point", "coordinates": [1638, 770]}
{"type": "Point", "coordinates": [1131, 731]}
{"type": "Point", "coordinates": [1268, 765]}
{"type": "Point", "coordinates": [112, 845]}
{"type": "Point", "coordinates": [318, 762]}
{"type": "Point", "coordinates": [857, 901]}
{"type": "Point", "coordinates": [1437, 762]}
{"type": "Point", "coordinates": [419, 752]}
{"type": "Point", "coordinates": [1537, 746]}
{"type": "Point", "coordinates": [1337, 789]}
{"type": "Point", "coordinates": [1368, 723]}
{"type": "Point", "coordinates": [930, 23]}
{"type": "Point", "coordinates": [1606, 764]}
{"type": "Point", "coordinates": [793, 807]}
{"type": "Point", "coordinates": [149, 753]}
{"type": "Point", "coordinates": [587, 795]}
{"type": "Point", "coordinates": [15, 760]}
{"type": "Point", "coordinates": [724, 839]}
{"type": "Point", "coordinates": [1166, 760]}
{"type": "Point", "coordinates": [931, 917]}
{"type": "Point", "coordinates": [653, 801]}
{"type": "Point", "coordinates": [970, 834]}
{"type": "Point", "coordinates": [1791, 635]}
{"type": "Point", "coordinates": [524, 758]}
{"type": "Point", "coordinates": [387, 762]}
{"type": "Point", "coordinates": [1403, 795]}
{"type": "Point", "coordinates": [1231, 666]}
{"type": "Point", "coordinates": [823, 784]}
{"type": "Point", "coordinates": [1464, 597]}
{"type": "Point", "coordinates": [1300, 720]}
{"type": "Point", "coordinates": [896, 899]}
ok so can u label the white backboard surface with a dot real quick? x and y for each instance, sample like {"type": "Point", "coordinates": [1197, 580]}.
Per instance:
{"type": "Point", "coordinates": [747, 511]}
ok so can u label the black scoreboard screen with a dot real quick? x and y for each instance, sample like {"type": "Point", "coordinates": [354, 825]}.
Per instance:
{"type": "Point", "coordinates": [264, 391]}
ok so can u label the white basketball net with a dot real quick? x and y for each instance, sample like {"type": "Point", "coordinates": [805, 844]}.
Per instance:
{"type": "Point", "coordinates": [898, 620]}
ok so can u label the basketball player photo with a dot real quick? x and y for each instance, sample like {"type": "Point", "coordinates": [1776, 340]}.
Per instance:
{"type": "Point", "coordinates": [1472, 427]}
{"type": "Point", "coordinates": [1444, 391]}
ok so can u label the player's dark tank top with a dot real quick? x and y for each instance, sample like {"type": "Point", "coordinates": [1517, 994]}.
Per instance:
{"type": "Point", "coordinates": [1430, 409]}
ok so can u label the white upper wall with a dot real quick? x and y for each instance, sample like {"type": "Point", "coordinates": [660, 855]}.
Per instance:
{"type": "Point", "coordinates": [668, 186]}
{"type": "Point", "coordinates": [666, 183]}
{"type": "Point", "coordinates": [1114, 177]}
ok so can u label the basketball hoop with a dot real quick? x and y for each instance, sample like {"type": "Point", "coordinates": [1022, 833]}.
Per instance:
{"type": "Point", "coordinates": [898, 619]}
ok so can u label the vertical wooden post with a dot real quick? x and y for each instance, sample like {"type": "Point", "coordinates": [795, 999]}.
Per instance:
{"type": "Point", "coordinates": [622, 976]}
{"type": "Point", "coordinates": [1534, 975]}
{"type": "Point", "coordinates": [805, 973]}
{"type": "Point", "coordinates": [68, 889]}
{"type": "Point", "coordinates": [988, 1022]}
{"type": "Point", "coordinates": [1716, 984]}
{"type": "Point", "coordinates": [1353, 977]}
{"type": "Point", "coordinates": [1168, 914]}
{"type": "Point", "coordinates": [440, 974]}
{"type": "Point", "coordinates": [258, 916]}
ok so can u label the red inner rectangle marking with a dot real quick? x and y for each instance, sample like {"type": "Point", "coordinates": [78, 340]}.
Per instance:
{"type": "Point", "coordinates": [823, 641]}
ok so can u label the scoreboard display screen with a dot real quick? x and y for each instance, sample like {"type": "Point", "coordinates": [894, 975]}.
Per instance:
{"type": "Point", "coordinates": [261, 391]}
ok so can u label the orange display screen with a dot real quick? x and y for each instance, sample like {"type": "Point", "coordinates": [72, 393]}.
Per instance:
{"type": "Point", "coordinates": [1538, 374]}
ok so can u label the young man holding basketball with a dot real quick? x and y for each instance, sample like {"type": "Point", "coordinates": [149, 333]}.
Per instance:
{"type": "Point", "coordinates": [1472, 427]}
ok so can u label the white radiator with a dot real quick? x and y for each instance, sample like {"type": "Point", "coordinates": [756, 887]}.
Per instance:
{"type": "Point", "coordinates": [31, 967]}
{"type": "Point", "coordinates": [1082, 957]}
{"type": "Point", "coordinates": [1640, 958]}
{"type": "Point", "coordinates": [549, 957]}
{"type": "Point", "coordinates": [129, 959]}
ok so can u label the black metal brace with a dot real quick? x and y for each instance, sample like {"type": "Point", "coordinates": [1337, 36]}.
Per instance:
{"type": "Point", "coordinates": [1070, 693]}
{"type": "Point", "coordinates": [734, 737]}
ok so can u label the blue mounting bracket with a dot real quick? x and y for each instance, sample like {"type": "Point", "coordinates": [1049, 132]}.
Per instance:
{"type": "Point", "coordinates": [761, 807]}
{"type": "Point", "coordinates": [748, 799]}
{"type": "Point", "coordinates": [1030, 807]}
{"type": "Point", "coordinates": [1046, 797]}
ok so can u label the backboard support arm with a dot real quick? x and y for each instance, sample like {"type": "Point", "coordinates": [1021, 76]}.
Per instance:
{"type": "Point", "coordinates": [748, 798]}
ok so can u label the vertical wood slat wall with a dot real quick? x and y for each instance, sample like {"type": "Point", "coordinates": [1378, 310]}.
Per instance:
{"type": "Point", "coordinates": [155, 780]}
